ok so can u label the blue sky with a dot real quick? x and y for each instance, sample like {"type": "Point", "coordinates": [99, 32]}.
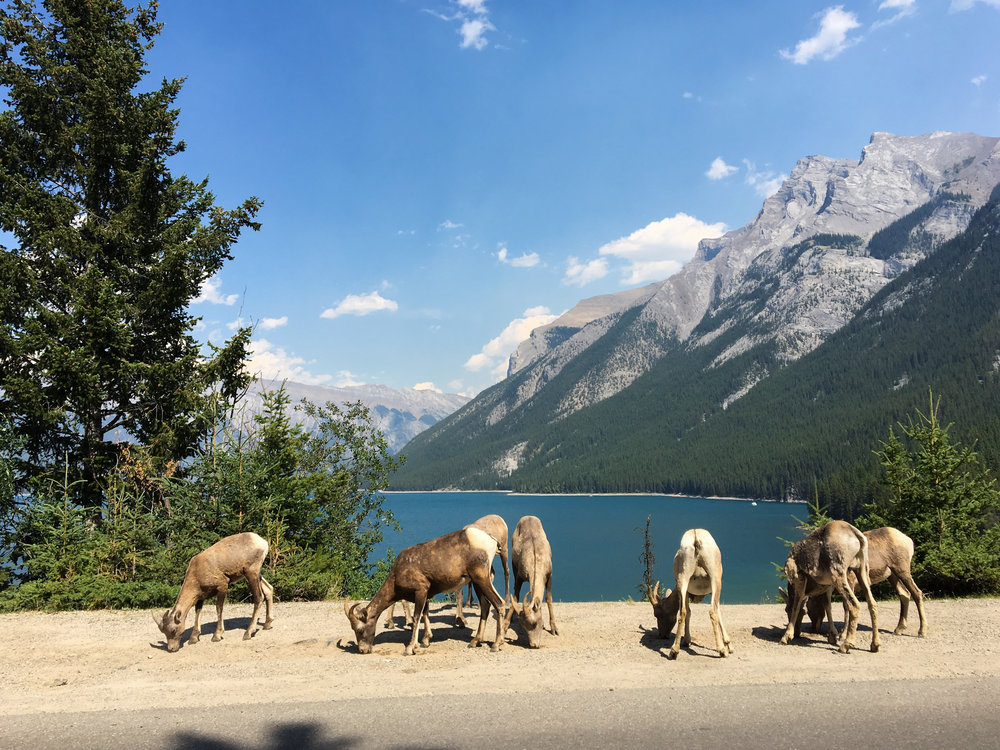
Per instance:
{"type": "Point", "coordinates": [440, 176]}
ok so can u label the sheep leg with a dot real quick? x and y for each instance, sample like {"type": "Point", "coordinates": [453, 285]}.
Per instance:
{"type": "Point", "coordinates": [722, 644]}
{"type": "Point", "coordinates": [253, 580]}
{"type": "Point", "coordinates": [220, 624]}
{"type": "Point", "coordinates": [548, 600]}
{"type": "Point", "coordinates": [484, 614]}
{"type": "Point", "coordinates": [460, 613]}
{"type": "Point", "coordinates": [831, 633]}
{"type": "Point", "coordinates": [872, 607]}
{"type": "Point", "coordinates": [512, 609]}
{"type": "Point", "coordinates": [682, 620]}
{"type": "Point", "coordinates": [488, 596]}
{"type": "Point", "coordinates": [426, 640]}
{"type": "Point", "coordinates": [268, 590]}
{"type": "Point", "coordinates": [196, 628]}
{"type": "Point", "coordinates": [419, 604]}
{"type": "Point", "coordinates": [796, 590]}
{"type": "Point", "coordinates": [854, 609]}
{"type": "Point", "coordinates": [389, 624]}
{"type": "Point", "coordinates": [905, 582]}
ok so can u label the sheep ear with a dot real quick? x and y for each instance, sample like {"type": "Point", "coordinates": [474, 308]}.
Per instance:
{"type": "Point", "coordinates": [177, 616]}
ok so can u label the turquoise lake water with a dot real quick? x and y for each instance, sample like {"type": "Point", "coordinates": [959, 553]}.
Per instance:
{"type": "Point", "coordinates": [597, 540]}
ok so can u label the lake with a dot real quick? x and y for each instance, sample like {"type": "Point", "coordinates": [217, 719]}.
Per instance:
{"type": "Point", "coordinates": [597, 540]}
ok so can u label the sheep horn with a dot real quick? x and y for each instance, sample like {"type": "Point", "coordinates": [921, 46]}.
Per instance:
{"type": "Point", "coordinates": [653, 593]}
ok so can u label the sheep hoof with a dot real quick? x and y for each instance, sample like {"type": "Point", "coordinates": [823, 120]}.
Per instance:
{"type": "Point", "coordinates": [671, 654]}
{"type": "Point", "coordinates": [193, 638]}
{"type": "Point", "coordinates": [216, 638]}
{"type": "Point", "coordinates": [267, 625]}
{"type": "Point", "coordinates": [786, 639]}
{"type": "Point", "coordinates": [248, 635]}
{"type": "Point", "coordinates": [874, 648]}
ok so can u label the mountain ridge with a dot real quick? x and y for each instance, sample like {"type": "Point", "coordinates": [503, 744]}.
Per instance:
{"type": "Point", "coordinates": [772, 292]}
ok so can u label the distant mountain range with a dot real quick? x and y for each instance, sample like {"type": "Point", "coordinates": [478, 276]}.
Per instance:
{"type": "Point", "coordinates": [399, 413]}
{"type": "Point", "coordinates": [621, 392]}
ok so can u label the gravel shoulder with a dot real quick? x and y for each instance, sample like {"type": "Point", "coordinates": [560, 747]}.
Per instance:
{"type": "Point", "coordinates": [114, 660]}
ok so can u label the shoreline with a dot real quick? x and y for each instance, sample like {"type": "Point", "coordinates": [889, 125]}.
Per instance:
{"type": "Point", "coordinates": [513, 493]}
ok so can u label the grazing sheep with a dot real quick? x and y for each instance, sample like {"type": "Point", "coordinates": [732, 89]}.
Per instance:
{"type": "Point", "coordinates": [698, 571]}
{"type": "Point", "coordinates": [496, 527]}
{"type": "Point", "coordinates": [890, 553]}
{"type": "Point", "coordinates": [532, 563]}
{"type": "Point", "coordinates": [822, 561]}
{"type": "Point", "coordinates": [425, 570]}
{"type": "Point", "coordinates": [209, 573]}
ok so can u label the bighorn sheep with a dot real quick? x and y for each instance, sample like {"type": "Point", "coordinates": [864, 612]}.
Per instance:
{"type": "Point", "coordinates": [532, 563]}
{"type": "Point", "coordinates": [496, 527]}
{"type": "Point", "coordinates": [425, 570]}
{"type": "Point", "coordinates": [209, 573]}
{"type": "Point", "coordinates": [822, 561]}
{"type": "Point", "coordinates": [890, 552]}
{"type": "Point", "coordinates": [698, 571]}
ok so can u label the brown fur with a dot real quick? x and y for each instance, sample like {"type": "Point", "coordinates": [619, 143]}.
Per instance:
{"type": "Point", "coordinates": [698, 571]}
{"type": "Point", "coordinates": [822, 561]}
{"type": "Point", "coordinates": [532, 564]}
{"type": "Point", "coordinates": [890, 553]}
{"type": "Point", "coordinates": [209, 573]}
{"type": "Point", "coordinates": [496, 527]}
{"type": "Point", "coordinates": [425, 570]}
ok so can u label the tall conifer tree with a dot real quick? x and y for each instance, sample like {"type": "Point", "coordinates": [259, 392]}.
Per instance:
{"type": "Point", "coordinates": [103, 248]}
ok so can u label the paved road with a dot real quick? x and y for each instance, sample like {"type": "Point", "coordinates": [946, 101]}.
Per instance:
{"type": "Point", "coordinates": [945, 713]}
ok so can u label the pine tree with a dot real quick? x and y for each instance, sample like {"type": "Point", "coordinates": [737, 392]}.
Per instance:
{"type": "Point", "coordinates": [108, 247]}
{"type": "Point", "coordinates": [946, 501]}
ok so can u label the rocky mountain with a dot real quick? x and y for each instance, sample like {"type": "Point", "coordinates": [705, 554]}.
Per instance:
{"type": "Point", "coordinates": [400, 414]}
{"type": "Point", "coordinates": [753, 301]}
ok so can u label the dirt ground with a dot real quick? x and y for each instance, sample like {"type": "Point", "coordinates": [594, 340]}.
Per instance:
{"type": "Point", "coordinates": [89, 661]}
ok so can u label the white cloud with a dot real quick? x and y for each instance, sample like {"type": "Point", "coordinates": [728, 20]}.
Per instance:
{"type": "Point", "coordinates": [269, 324]}
{"type": "Point", "coordinates": [582, 274]}
{"type": "Point", "coordinates": [830, 40]}
{"type": "Point", "coordinates": [720, 169]}
{"type": "Point", "coordinates": [210, 293]}
{"type": "Point", "coordinates": [494, 356]}
{"type": "Point", "coordinates": [346, 379]}
{"type": "Point", "coordinates": [360, 304]}
{"type": "Point", "coordinates": [473, 33]}
{"type": "Point", "coordinates": [903, 9]}
{"type": "Point", "coordinates": [448, 224]}
{"type": "Point", "coordinates": [474, 22]}
{"type": "Point", "coordinates": [527, 260]}
{"type": "Point", "coordinates": [660, 248]}
{"type": "Point", "coordinates": [428, 386]}
{"type": "Point", "coordinates": [979, 80]}
{"type": "Point", "coordinates": [766, 183]}
{"type": "Point", "coordinates": [274, 363]}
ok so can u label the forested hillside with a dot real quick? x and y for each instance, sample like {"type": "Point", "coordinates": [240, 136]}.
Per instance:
{"type": "Point", "coordinates": [810, 427]}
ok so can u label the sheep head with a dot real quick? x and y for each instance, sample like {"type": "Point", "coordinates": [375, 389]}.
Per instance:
{"type": "Point", "coordinates": [362, 625]}
{"type": "Point", "coordinates": [172, 627]}
{"type": "Point", "coordinates": [664, 608]}
{"type": "Point", "coordinates": [530, 616]}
